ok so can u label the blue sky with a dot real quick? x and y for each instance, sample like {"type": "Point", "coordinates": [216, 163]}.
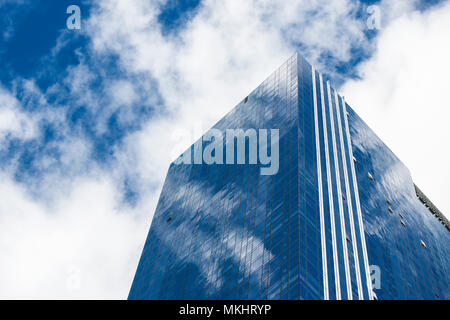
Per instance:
{"type": "Point", "coordinates": [32, 53]}
{"type": "Point", "coordinates": [98, 108]}
{"type": "Point", "coordinates": [40, 49]}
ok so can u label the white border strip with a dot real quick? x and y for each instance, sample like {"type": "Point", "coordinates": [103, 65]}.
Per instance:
{"type": "Point", "coordinates": [339, 194]}
{"type": "Point", "coordinates": [319, 182]}
{"type": "Point", "coordinates": [349, 201]}
{"type": "Point", "coordinates": [358, 205]}
{"type": "Point", "coordinates": [330, 194]}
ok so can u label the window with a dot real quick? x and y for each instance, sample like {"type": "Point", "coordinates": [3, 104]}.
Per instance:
{"type": "Point", "coordinates": [423, 244]}
{"type": "Point", "coordinates": [354, 159]}
{"type": "Point", "coordinates": [388, 202]}
{"type": "Point", "coordinates": [169, 219]}
{"type": "Point", "coordinates": [390, 210]}
{"type": "Point", "coordinates": [402, 222]}
{"type": "Point", "coordinates": [370, 176]}
{"type": "Point", "coordinates": [246, 99]}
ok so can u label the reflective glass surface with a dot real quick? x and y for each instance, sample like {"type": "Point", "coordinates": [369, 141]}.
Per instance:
{"type": "Point", "coordinates": [407, 269]}
{"type": "Point", "coordinates": [310, 231]}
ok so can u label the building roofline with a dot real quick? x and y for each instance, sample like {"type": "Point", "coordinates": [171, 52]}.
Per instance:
{"type": "Point", "coordinates": [433, 209]}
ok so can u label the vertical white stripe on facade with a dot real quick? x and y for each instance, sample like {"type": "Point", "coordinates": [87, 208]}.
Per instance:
{"type": "Point", "coordinates": [319, 181]}
{"type": "Point", "coordinates": [330, 194]}
{"type": "Point", "coordinates": [349, 199]}
{"type": "Point", "coordinates": [358, 206]}
{"type": "Point", "coordinates": [339, 195]}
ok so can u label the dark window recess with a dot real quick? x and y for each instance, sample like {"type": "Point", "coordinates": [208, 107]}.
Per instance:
{"type": "Point", "coordinates": [169, 219]}
{"type": "Point", "coordinates": [400, 215]}
{"type": "Point", "coordinates": [370, 176]}
{"type": "Point", "coordinates": [246, 99]}
{"type": "Point", "coordinates": [402, 222]}
{"type": "Point", "coordinates": [388, 202]}
{"type": "Point", "coordinates": [354, 159]}
{"type": "Point", "coordinates": [343, 197]}
{"type": "Point", "coordinates": [390, 210]}
{"type": "Point", "coordinates": [348, 240]}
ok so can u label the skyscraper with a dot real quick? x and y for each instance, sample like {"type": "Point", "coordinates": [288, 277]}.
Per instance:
{"type": "Point", "coordinates": [337, 217]}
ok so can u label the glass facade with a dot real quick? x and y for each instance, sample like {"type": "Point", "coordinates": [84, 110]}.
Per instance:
{"type": "Point", "coordinates": [310, 231]}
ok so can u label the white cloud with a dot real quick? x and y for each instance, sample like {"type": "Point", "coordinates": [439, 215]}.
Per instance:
{"type": "Point", "coordinates": [402, 95]}
{"type": "Point", "coordinates": [223, 53]}
{"type": "Point", "coordinates": [122, 92]}
{"type": "Point", "coordinates": [14, 122]}
{"type": "Point", "coordinates": [81, 246]}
